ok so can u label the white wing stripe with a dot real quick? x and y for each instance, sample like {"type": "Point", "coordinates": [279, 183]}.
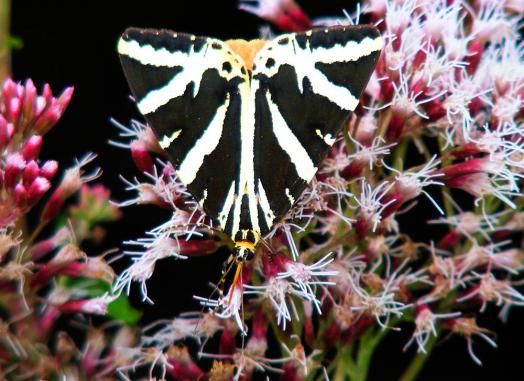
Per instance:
{"type": "Point", "coordinates": [173, 89]}
{"type": "Point", "coordinates": [147, 55]}
{"type": "Point", "coordinates": [228, 203]}
{"type": "Point", "coordinates": [290, 144]}
{"type": "Point", "coordinates": [204, 146]}
{"type": "Point", "coordinates": [339, 95]}
{"type": "Point", "coordinates": [264, 204]}
{"type": "Point", "coordinates": [352, 51]}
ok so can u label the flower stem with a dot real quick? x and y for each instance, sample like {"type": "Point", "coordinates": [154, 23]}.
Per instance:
{"type": "Point", "coordinates": [356, 369]}
{"type": "Point", "coordinates": [418, 362]}
{"type": "Point", "coordinates": [5, 53]}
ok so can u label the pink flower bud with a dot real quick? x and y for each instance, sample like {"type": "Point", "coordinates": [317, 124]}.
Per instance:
{"type": "Point", "coordinates": [435, 110]}
{"type": "Point", "coordinates": [228, 343]}
{"type": "Point", "coordinates": [475, 106]}
{"type": "Point", "coordinates": [141, 156]}
{"type": "Point", "coordinates": [481, 164]}
{"type": "Point", "coordinates": [475, 184]}
{"type": "Point", "coordinates": [40, 106]}
{"type": "Point", "coordinates": [37, 189]}
{"type": "Point", "coordinates": [53, 206]}
{"type": "Point", "coordinates": [46, 322]}
{"type": "Point", "coordinates": [285, 14]}
{"type": "Point", "coordinates": [47, 94]}
{"type": "Point", "coordinates": [30, 97]}
{"type": "Point", "coordinates": [392, 207]}
{"type": "Point", "coordinates": [49, 169]}
{"type": "Point", "coordinates": [450, 240]}
{"type": "Point", "coordinates": [45, 273]}
{"type": "Point", "coordinates": [14, 165]}
{"type": "Point", "coordinates": [352, 171]}
{"type": "Point", "coordinates": [287, 23]}
{"type": "Point", "coordinates": [14, 108]}
{"type": "Point", "coordinates": [42, 248]}
{"type": "Point", "coordinates": [6, 132]}
{"type": "Point", "coordinates": [273, 264]}
{"type": "Point", "coordinates": [300, 18]}
{"type": "Point", "coordinates": [47, 119]}
{"type": "Point", "coordinates": [9, 90]}
{"type": "Point", "coordinates": [97, 306]}
{"type": "Point", "coordinates": [362, 228]}
{"type": "Point", "coordinates": [395, 127]}
{"type": "Point", "coordinates": [150, 140]}
{"type": "Point", "coordinates": [475, 50]}
{"type": "Point", "coordinates": [20, 194]}
{"type": "Point", "coordinates": [419, 59]}
{"type": "Point", "coordinates": [31, 172]}
{"type": "Point", "coordinates": [387, 91]}
{"type": "Point", "coordinates": [71, 183]}
{"type": "Point", "coordinates": [65, 98]}
{"type": "Point", "coordinates": [466, 150]}
{"type": "Point", "coordinates": [182, 366]}
{"type": "Point", "coordinates": [260, 325]}
{"type": "Point", "coordinates": [197, 248]}
{"type": "Point", "coordinates": [32, 147]}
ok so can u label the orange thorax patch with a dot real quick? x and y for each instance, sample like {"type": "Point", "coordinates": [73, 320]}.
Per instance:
{"type": "Point", "coordinates": [246, 49]}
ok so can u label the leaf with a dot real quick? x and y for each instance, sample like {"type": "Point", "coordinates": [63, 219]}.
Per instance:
{"type": "Point", "coordinates": [15, 42]}
{"type": "Point", "coordinates": [121, 309]}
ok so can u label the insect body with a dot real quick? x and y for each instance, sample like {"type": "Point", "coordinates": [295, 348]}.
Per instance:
{"type": "Point", "coordinates": [246, 124]}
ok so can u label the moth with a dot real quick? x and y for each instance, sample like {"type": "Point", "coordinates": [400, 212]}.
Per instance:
{"type": "Point", "coordinates": [246, 124]}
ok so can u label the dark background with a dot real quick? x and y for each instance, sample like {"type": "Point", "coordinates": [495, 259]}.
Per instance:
{"type": "Point", "coordinates": [73, 43]}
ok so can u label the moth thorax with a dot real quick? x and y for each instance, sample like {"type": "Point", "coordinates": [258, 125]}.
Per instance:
{"type": "Point", "coordinates": [247, 50]}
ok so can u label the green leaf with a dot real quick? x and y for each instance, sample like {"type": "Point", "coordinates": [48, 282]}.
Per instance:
{"type": "Point", "coordinates": [15, 42]}
{"type": "Point", "coordinates": [91, 287]}
{"type": "Point", "coordinates": [121, 309]}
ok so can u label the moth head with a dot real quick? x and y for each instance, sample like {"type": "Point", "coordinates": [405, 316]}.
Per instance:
{"type": "Point", "coordinates": [244, 251]}
{"type": "Point", "coordinates": [247, 50]}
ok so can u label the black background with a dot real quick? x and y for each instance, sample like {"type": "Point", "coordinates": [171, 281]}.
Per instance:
{"type": "Point", "coordinates": [73, 43]}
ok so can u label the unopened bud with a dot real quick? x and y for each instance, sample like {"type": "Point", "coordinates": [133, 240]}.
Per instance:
{"type": "Point", "coordinates": [141, 156]}
{"type": "Point", "coordinates": [32, 147]}
{"type": "Point", "coordinates": [49, 169]}
{"type": "Point", "coordinates": [31, 172]}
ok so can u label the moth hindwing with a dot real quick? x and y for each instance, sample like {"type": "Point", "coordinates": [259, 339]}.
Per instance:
{"type": "Point", "coordinates": [245, 130]}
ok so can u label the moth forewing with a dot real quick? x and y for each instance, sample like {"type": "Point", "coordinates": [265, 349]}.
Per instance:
{"type": "Point", "coordinates": [247, 124]}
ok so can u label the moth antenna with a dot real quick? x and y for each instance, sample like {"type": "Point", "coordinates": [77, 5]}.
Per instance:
{"type": "Point", "coordinates": [226, 269]}
{"type": "Point", "coordinates": [219, 287]}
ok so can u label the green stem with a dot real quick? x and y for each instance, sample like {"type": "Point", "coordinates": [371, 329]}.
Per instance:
{"type": "Point", "coordinates": [356, 369]}
{"type": "Point", "coordinates": [5, 52]}
{"type": "Point", "coordinates": [367, 347]}
{"type": "Point", "coordinates": [417, 363]}
{"type": "Point", "coordinates": [344, 362]}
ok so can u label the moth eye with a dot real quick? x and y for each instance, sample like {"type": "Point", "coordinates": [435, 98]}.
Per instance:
{"type": "Point", "coordinates": [226, 66]}
{"type": "Point", "coordinates": [254, 67]}
{"type": "Point", "coordinates": [243, 69]}
{"type": "Point", "coordinates": [249, 255]}
{"type": "Point", "coordinates": [283, 41]}
{"type": "Point", "coordinates": [216, 45]}
{"type": "Point", "coordinates": [270, 63]}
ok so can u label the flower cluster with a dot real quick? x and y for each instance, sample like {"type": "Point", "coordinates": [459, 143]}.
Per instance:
{"type": "Point", "coordinates": [438, 137]}
{"type": "Point", "coordinates": [47, 281]}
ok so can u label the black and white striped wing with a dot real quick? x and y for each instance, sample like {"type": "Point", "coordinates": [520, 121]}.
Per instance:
{"type": "Point", "coordinates": [190, 91]}
{"type": "Point", "coordinates": [304, 87]}
{"type": "Point", "coordinates": [247, 146]}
